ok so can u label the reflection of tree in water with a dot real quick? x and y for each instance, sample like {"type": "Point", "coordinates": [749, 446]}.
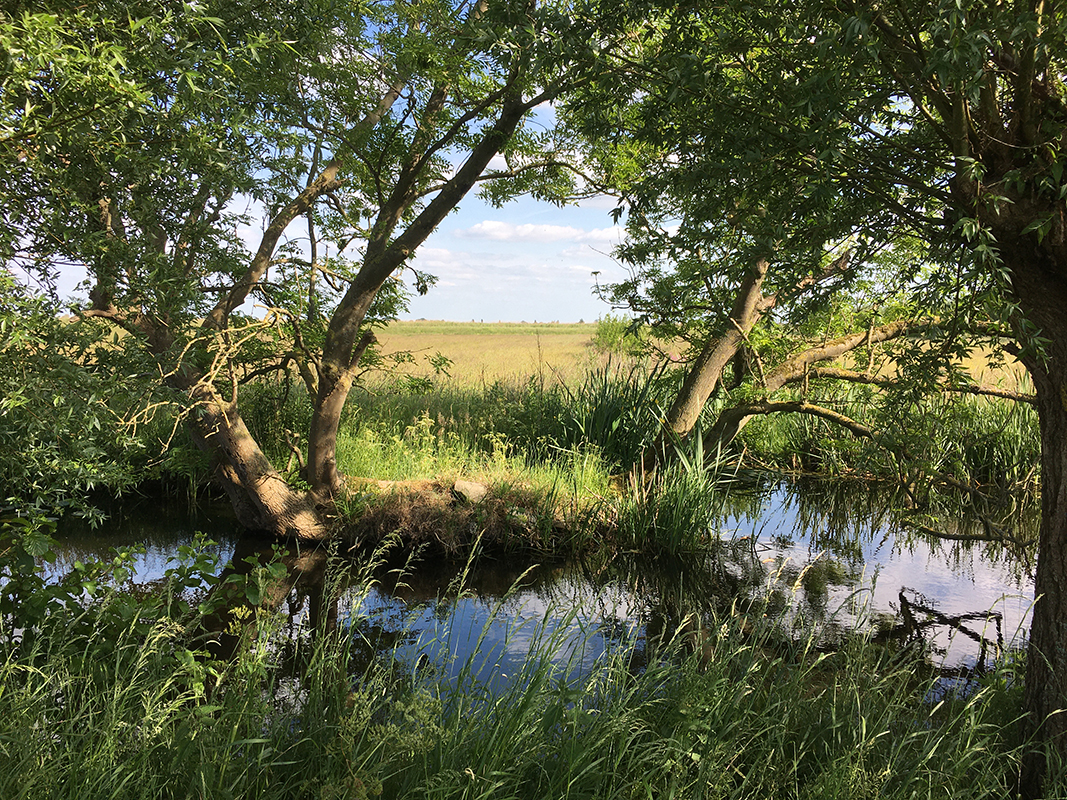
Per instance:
{"type": "Point", "coordinates": [737, 583]}
{"type": "Point", "coordinates": [260, 577]}
{"type": "Point", "coordinates": [920, 621]}
{"type": "Point", "coordinates": [845, 515]}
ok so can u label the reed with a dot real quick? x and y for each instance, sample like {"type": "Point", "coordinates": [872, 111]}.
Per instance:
{"type": "Point", "coordinates": [733, 708]}
{"type": "Point", "coordinates": [982, 441]}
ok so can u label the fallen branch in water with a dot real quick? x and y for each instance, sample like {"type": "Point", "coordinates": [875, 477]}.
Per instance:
{"type": "Point", "coordinates": [994, 533]}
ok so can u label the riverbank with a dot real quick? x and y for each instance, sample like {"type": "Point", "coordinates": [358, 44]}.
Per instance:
{"type": "Point", "coordinates": [120, 705]}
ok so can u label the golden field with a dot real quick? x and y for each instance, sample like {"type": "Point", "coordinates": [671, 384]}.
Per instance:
{"type": "Point", "coordinates": [482, 353]}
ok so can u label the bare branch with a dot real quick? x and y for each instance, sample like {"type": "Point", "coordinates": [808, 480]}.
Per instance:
{"type": "Point", "coordinates": [216, 319]}
{"type": "Point", "coordinates": [886, 381]}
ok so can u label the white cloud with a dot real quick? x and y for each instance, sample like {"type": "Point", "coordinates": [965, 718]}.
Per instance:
{"type": "Point", "coordinates": [499, 231]}
{"type": "Point", "coordinates": [600, 202]}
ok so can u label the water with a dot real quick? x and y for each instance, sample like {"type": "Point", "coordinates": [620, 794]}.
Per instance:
{"type": "Point", "coordinates": [827, 562]}
{"type": "Point", "coordinates": [852, 563]}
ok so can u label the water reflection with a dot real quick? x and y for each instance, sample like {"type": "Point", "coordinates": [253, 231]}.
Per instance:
{"type": "Point", "coordinates": [825, 560]}
{"type": "Point", "coordinates": [845, 548]}
{"type": "Point", "coordinates": [157, 525]}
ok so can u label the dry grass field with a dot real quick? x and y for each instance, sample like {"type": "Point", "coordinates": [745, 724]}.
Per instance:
{"type": "Point", "coordinates": [482, 353]}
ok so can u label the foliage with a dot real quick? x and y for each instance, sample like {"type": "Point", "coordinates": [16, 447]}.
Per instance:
{"type": "Point", "coordinates": [620, 337]}
{"type": "Point", "coordinates": [68, 423]}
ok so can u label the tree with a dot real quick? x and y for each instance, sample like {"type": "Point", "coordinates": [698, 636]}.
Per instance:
{"type": "Point", "coordinates": [943, 120]}
{"type": "Point", "coordinates": [723, 238]}
{"type": "Point", "coordinates": [370, 122]}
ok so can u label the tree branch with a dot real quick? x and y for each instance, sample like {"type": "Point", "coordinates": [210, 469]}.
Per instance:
{"type": "Point", "coordinates": [885, 381]}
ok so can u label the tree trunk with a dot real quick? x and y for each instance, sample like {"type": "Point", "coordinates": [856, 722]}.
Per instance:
{"type": "Point", "coordinates": [1041, 288]}
{"type": "Point", "coordinates": [1046, 670]}
{"type": "Point", "coordinates": [384, 255]}
{"type": "Point", "coordinates": [706, 373]}
{"type": "Point", "coordinates": [339, 364]}
{"type": "Point", "coordinates": [262, 499]}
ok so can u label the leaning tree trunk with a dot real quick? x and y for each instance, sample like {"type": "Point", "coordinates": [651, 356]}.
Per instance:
{"type": "Point", "coordinates": [261, 497]}
{"type": "Point", "coordinates": [384, 255]}
{"type": "Point", "coordinates": [706, 372]}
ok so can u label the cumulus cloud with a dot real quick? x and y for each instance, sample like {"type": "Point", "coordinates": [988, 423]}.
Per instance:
{"type": "Point", "coordinates": [499, 231]}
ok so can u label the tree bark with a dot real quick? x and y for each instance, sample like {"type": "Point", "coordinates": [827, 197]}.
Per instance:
{"type": "Point", "coordinates": [261, 497]}
{"type": "Point", "coordinates": [706, 373]}
{"type": "Point", "coordinates": [1040, 284]}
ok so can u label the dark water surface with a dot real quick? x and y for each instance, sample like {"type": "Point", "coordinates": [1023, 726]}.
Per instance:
{"type": "Point", "coordinates": [825, 560]}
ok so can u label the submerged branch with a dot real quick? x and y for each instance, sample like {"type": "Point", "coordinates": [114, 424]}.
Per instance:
{"type": "Point", "coordinates": [994, 533]}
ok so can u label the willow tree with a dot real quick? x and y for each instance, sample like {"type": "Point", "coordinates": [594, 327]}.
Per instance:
{"type": "Point", "coordinates": [735, 232]}
{"type": "Point", "coordinates": [945, 121]}
{"type": "Point", "coordinates": [362, 124]}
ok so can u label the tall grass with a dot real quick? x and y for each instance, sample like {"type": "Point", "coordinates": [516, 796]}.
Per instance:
{"type": "Point", "coordinates": [610, 408]}
{"type": "Point", "coordinates": [988, 442]}
{"type": "Point", "coordinates": [746, 714]}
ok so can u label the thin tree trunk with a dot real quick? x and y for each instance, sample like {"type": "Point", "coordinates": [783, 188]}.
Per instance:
{"type": "Point", "coordinates": [704, 377]}
{"type": "Point", "coordinates": [341, 350]}
{"type": "Point", "coordinates": [706, 373]}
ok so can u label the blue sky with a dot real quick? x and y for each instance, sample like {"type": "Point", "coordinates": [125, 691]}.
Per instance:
{"type": "Point", "coordinates": [528, 261]}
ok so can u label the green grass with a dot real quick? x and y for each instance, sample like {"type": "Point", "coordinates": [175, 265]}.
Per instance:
{"type": "Point", "coordinates": [746, 714]}
{"type": "Point", "coordinates": [569, 443]}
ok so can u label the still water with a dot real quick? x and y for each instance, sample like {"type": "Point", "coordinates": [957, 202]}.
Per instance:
{"type": "Point", "coordinates": [827, 562]}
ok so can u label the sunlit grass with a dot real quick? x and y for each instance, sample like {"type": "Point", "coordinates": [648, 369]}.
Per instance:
{"type": "Point", "coordinates": [481, 354]}
{"type": "Point", "coordinates": [742, 711]}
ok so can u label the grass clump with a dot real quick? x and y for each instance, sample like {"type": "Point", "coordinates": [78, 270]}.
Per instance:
{"type": "Point", "coordinates": [431, 516]}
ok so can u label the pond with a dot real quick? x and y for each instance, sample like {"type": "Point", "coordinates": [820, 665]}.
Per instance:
{"type": "Point", "coordinates": [823, 560]}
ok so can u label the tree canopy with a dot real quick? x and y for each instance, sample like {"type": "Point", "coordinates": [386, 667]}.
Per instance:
{"type": "Point", "coordinates": [369, 122]}
{"type": "Point", "coordinates": [810, 123]}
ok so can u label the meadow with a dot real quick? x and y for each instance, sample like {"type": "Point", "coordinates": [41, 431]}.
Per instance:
{"type": "Point", "coordinates": [484, 353]}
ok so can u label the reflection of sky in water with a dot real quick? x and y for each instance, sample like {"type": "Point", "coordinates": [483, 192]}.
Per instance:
{"type": "Point", "coordinates": [159, 527]}
{"type": "Point", "coordinates": [580, 621]}
{"type": "Point", "coordinates": [492, 637]}
{"type": "Point", "coordinates": [953, 580]}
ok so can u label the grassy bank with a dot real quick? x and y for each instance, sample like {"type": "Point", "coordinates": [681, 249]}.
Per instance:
{"type": "Point", "coordinates": [103, 703]}
{"type": "Point", "coordinates": [554, 451]}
